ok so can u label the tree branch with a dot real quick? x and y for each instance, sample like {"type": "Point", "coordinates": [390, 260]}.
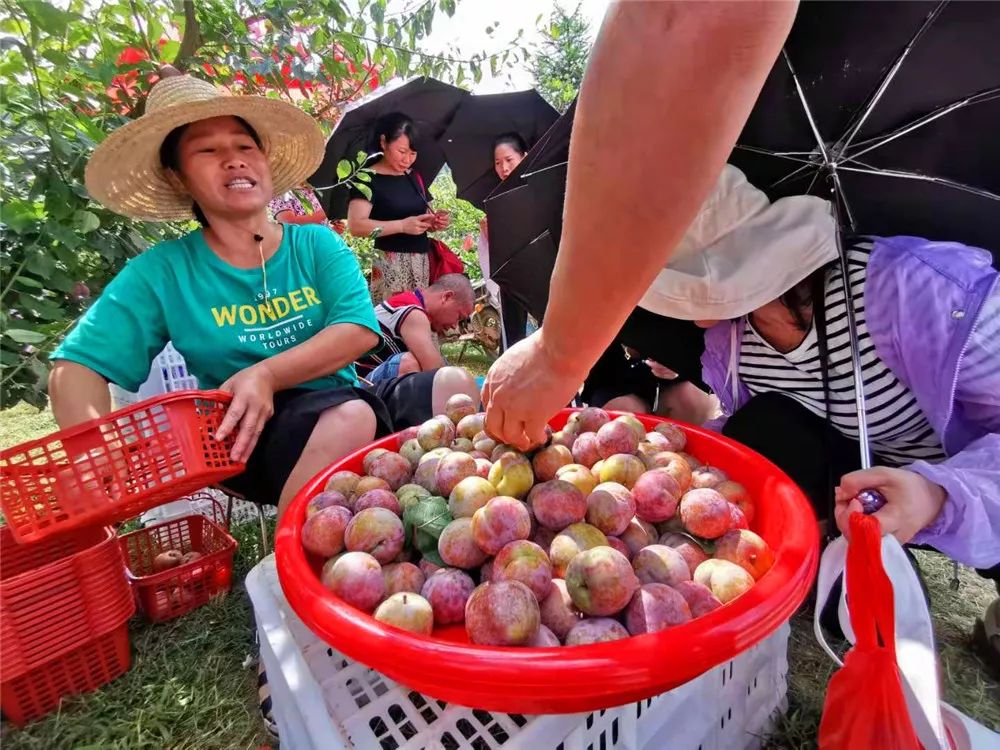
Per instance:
{"type": "Point", "coordinates": [192, 39]}
{"type": "Point", "coordinates": [142, 33]}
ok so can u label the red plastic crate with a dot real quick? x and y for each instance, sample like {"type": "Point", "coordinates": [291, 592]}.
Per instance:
{"type": "Point", "coordinates": [87, 667]}
{"type": "Point", "coordinates": [115, 467]}
{"type": "Point", "coordinates": [176, 591]}
{"type": "Point", "coordinates": [55, 594]}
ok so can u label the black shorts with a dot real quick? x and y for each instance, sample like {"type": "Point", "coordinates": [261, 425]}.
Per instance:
{"type": "Point", "coordinates": [677, 344]}
{"type": "Point", "coordinates": [398, 403]}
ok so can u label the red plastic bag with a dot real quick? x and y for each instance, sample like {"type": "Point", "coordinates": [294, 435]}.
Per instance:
{"type": "Point", "coordinates": [442, 260]}
{"type": "Point", "coordinates": [865, 706]}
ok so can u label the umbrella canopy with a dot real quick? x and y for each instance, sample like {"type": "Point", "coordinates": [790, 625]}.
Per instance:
{"type": "Point", "coordinates": [468, 142]}
{"type": "Point", "coordinates": [430, 103]}
{"type": "Point", "coordinates": [524, 229]}
{"type": "Point", "coordinates": [890, 110]}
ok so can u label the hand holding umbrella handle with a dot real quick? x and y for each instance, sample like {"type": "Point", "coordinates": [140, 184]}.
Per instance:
{"type": "Point", "coordinates": [871, 501]}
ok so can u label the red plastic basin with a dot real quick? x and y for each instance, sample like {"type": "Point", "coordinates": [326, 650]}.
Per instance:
{"type": "Point", "coordinates": [581, 678]}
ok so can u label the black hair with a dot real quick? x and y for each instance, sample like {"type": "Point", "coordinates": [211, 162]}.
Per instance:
{"type": "Point", "coordinates": [170, 156]}
{"type": "Point", "coordinates": [512, 139]}
{"type": "Point", "coordinates": [799, 300]}
{"type": "Point", "coordinates": [393, 126]}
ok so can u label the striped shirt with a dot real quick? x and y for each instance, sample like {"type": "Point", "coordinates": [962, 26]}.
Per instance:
{"type": "Point", "coordinates": [898, 430]}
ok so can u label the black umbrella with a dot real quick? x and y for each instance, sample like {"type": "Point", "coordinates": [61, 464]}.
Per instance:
{"type": "Point", "coordinates": [429, 102]}
{"type": "Point", "coordinates": [892, 111]}
{"type": "Point", "coordinates": [468, 142]}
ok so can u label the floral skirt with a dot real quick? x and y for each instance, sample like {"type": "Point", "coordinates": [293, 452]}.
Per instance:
{"type": "Point", "coordinates": [398, 272]}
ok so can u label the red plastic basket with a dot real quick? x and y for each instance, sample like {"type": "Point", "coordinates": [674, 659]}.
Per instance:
{"type": "Point", "coordinates": [176, 591]}
{"type": "Point", "coordinates": [582, 678]}
{"type": "Point", "coordinates": [87, 667]}
{"type": "Point", "coordinates": [54, 595]}
{"type": "Point", "coordinates": [114, 468]}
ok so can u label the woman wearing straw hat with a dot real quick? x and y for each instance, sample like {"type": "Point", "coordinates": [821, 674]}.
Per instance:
{"type": "Point", "coordinates": [274, 314]}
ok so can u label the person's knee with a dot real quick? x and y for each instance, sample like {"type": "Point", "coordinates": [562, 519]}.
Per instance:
{"type": "Point", "coordinates": [353, 417]}
{"type": "Point", "coordinates": [629, 402]}
{"type": "Point", "coordinates": [408, 364]}
{"type": "Point", "coordinates": [449, 381]}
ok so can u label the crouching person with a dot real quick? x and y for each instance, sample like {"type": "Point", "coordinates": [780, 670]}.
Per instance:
{"type": "Point", "coordinates": [273, 314]}
{"type": "Point", "coordinates": [409, 322]}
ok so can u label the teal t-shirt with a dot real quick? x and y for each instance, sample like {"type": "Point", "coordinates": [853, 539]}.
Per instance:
{"type": "Point", "coordinates": [215, 314]}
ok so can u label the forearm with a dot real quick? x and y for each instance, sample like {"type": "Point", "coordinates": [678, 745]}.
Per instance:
{"type": "Point", "coordinates": [703, 65]}
{"type": "Point", "coordinates": [968, 527]}
{"type": "Point", "coordinates": [329, 350]}
{"type": "Point", "coordinates": [365, 227]}
{"type": "Point", "coordinates": [77, 394]}
{"type": "Point", "coordinates": [429, 358]}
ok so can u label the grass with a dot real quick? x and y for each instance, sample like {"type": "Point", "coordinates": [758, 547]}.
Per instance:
{"type": "Point", "coordinates": [188, 687]}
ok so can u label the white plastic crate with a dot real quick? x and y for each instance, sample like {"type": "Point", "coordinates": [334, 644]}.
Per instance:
{"type": "Point", "coordinates": [204, 502]}
{"type": "Point", "coordinates": [168, 373]}
{"type": "Point", "coordinates": [325, 701]}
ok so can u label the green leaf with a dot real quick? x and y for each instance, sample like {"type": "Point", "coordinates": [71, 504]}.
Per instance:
{"type": "Point", "coordinates": [24, 336]}
{"type": "Point", "coordinates": [85, 221]}
{"type": "Point", "coordinates": [29, 282]}
{"type": "Point", "coordinates": [423, 524]}
{"type": "Point", "coordinates": [344, 168]}
{"type": "Point", "coordinates": [168, 52]}
{"type": "Point", "coordinates": [364, 175]}
{"type": "Point", "coordinates": [363, 189]}
{"type": "Point", "coordinates": [49, 19]}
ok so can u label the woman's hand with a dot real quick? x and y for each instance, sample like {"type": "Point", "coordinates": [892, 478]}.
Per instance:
{"type": "Point", "coordinates": [251, 407]}
{"type": "Point", "coordinates": [417, 224]}
{"type": "Point", "coordinates": [442, 220]}
{"type": "Point", "coordinates": [523, 389]}
{"type": "Point", "coordinates": [911, 502]}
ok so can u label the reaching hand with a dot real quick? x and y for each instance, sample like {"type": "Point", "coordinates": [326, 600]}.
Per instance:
{"type": "Point", "coordinates": [523, 389]}
{"type": "Point", "coordinates": [911, 501]}
{"type": "Point", "coordinates": [251, 407]}
{"type": "Point", "coordinates": [417, 224]}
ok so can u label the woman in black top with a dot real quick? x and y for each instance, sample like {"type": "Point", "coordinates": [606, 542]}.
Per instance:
{"type": "Point", "coordinates": [398, 213]}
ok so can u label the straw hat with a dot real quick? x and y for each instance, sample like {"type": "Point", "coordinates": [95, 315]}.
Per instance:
{"type": "Point", "coordinates": [124, 172]}
{"type": "Point", "coordinates": [742, 251]}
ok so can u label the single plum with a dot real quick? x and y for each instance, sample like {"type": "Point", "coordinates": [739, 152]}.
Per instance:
{"type": "Point", "coordinates": [579, 476]}
{"type": "Point", "coordinates": [343, 482]}
{"type": "Point", "coordinates": [622, 468]}
{"type": "Point", "coordinates": [451, 470]}
{"type": "Point", "coordinates": [323, 531]}
{"type": "Point", "coordinates": [501, 521]}
{"type": "Point", "coordinates": [600, 581]}
{"type": "Point", "coordinates": [656, 496]}
{"type": "Point", "coordinates": [747, 550]}
{"type": "Point", "coordinates": [658, 563]}
{"type": "Point", "coordinates": [706, 513]}
{"type": "Point", "coordinates": [586, 449]}
{"type": "Point", "coordinates": [356, 577]}
{"type": "Point", "coordinates": [457, 547]}
{"type": "Point", "coordinates": [469, 495]}
{"type": "Point", "coordinates": [570, 542]}
{"type": "Point", "coordinates": [655, 607]}
{"type": "Point", "coordinates": [699, 597]}
{"type": "Point", "coordinates": [448, 590]}
{"type": "Point", "coordinates": [595, 630]}
{"type": "Point", "coordinates": [402, 576]}
{"type": "Point", "coordinates": [526, 562]}
{"type": "Point", "coordinates": [512, 475]}
{"type": "Point", "coordinates": [610, 507]}
{"type": "Point", "coordinates": [549, 460]}
{"type": "Point", "coordinates": [616, 437]}
{"type": "Point", "coordinates": [407, 611]}
{"type": "Point", "coordinates": [727, 580]}
{"type": "Point", "coordinates": [557, 504]}
{"type": "Point", "coordinates": [376, 531]}
{"type": "Point", "coordinates": [502, 614]}
{"type": "Point", "coordinates": [459, 406]}
{"type": "Point", "coordinates": [378, 499]}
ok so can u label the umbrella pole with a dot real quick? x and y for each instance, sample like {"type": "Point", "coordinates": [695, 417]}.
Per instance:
{"type": "Point", "coordinates": [852, 332]}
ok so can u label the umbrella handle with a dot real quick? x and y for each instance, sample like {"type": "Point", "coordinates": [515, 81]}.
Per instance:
{"type": "Point", "coordinates": [871, 501]}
